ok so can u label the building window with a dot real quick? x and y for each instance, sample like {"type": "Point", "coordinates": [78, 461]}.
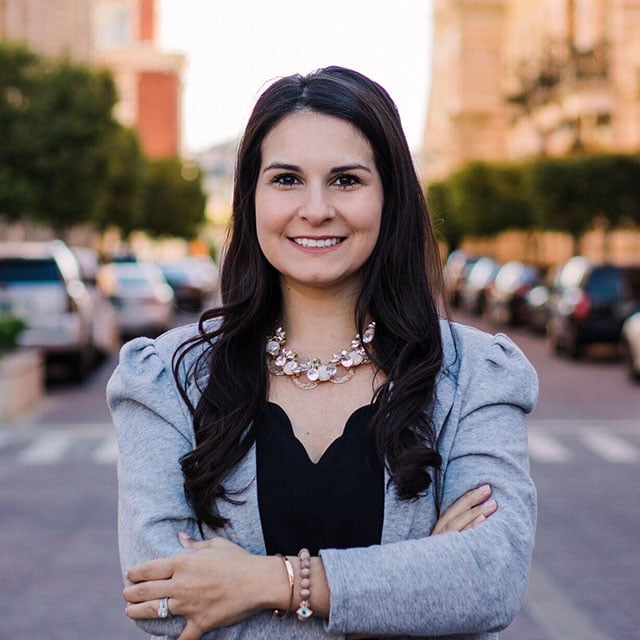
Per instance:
{"type": "Point", "coordinates": [113, 26]}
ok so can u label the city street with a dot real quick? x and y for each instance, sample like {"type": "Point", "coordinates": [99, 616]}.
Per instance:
{"type": "Point", "coordinates": [59, 562]}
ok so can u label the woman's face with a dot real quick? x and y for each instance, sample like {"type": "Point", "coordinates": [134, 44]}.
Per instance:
{"type": "Point", "coordinates": [318, 201]}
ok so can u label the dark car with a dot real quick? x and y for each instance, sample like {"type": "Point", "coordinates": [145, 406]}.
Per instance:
{"type": "Point", "coordinates": [537, 313]}
{"type": "Point", "coordinates": [194, 281]}
{"type": "Point", "coordinates": [480, 278]}
{"type": "Point", "coordinates": [589, 303]}
{"type": "Point", "coordinates": [455, 273]}
{"type": "Point", "coordinates": [506, 298]}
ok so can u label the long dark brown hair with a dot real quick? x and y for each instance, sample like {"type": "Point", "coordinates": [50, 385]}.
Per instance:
{"type": "Point", "coordinates": [401, 291]}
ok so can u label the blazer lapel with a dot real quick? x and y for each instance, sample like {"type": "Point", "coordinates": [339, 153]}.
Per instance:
{"type": "Point", "coordinates": [401, 515]}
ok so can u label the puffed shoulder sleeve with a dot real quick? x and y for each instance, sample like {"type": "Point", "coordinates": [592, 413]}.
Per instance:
{"type": "Point", "coordinates": [154, 432]}
{"type": "Point", "coordinates": [504, 376]}
{"type": "Point", "coordinates": [459, 582]}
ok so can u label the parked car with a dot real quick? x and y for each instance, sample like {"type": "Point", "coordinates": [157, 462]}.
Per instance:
{"type": "Point", "coordinates": [537, 313]}
{"type": "Point", "coordinates": [474, 292]}
{"type": "Point", "coordinates": [106, 336]}
{"type": "Point", "coordinates": [40, 283]}
{"type": "Point", "coordinates": [630, 343]}
{"type": "Point", "coordinates": [455, 273]}
{"type": "Point", "coordinates": [588, 304]}
{"type": "Point", "coordinates": [140, 295]}
{"type": "Point", "coordinates": [194, 281]}
{"type": "Point", "coordinates": [506, 296]}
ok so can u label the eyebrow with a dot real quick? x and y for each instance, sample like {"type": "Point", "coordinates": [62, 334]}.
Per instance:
{"type": "Point", "coordinates": [292, 167]}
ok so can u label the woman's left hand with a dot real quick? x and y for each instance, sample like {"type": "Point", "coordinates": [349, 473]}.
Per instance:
{"type": "Point", "coordinates": [216, 585]}
{"type": "Point", "coordinates": [467, 512]}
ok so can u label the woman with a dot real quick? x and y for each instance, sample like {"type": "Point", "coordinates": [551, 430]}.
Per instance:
{"type": "Point", "coordinates": [391, 425]}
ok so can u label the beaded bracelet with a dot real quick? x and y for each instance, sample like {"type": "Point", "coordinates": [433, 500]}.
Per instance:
{"type": "Point", "coordinates": [304, 611]}
{"type": "Point", "coordinates": [289, 567]}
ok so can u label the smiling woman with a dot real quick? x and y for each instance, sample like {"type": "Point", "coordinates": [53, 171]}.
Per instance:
{"type": "Point", "coordinates": [318, 202]}
{"type": "Point", "coordinates": [324, 443]}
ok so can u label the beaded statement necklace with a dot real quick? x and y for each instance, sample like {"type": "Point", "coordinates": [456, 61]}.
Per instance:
{"type": "Point", "coordinates": [309, 373]}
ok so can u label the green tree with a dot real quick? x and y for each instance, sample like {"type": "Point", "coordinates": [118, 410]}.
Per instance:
{"type": "Point", "coordinates": [445, 223]}
{"type": "Point", "coordinates": [614, 186]}
{"type": "Point", "coordinates": [174, 200]}
{"type": "Point", "coordinates": [562, 196]}
{"type": "Point", "coordinates": [73, 123]}
{"type": "Point", "coordinates": [122, 207]}
{"type": "Point", "coordinates": [20, 78]}
{"type": "Point", "coordinates": [486, 199]}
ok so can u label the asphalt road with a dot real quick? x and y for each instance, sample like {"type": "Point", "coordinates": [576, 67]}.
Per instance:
{"type": "Point", "coordinates": [58, 549]}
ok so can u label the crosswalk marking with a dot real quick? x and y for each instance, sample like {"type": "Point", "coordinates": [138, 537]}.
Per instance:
{"type": "Point", "coordinates": [610, 447]}
{"type": "Point", "coordinates": [106, 452]}
{"type": "Point", "coordinates": [544, 448]}
{"type": "Point", "coordinates": [46, 449]}
{"type": "Point", "coordinates": [550, 442]}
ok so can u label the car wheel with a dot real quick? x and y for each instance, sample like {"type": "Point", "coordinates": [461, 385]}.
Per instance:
{"type": "Point", "coordinates": [575, 348]}
{"type": "Point", "coordinates": [634, 372]}
{"type": "Point", "coordinates": [80, 363]}
{"type": "Point", "coordinates": [554, 344]}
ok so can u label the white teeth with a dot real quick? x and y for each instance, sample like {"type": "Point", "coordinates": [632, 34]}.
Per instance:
{"type": "Point", "coordinates": [312, 242]}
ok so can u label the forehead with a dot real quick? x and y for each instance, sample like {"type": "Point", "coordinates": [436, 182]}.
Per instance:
{"type": "Point", "coordinates": [304, 133]}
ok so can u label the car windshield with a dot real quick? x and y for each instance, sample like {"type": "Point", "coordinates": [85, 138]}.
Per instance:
{"type": "Point", "coordinates": [605, 283]}
{"type": "Point", "coordinates": [32, 270]}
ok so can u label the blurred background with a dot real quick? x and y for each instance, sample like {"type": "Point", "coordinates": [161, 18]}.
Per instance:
{"type": "Point", "coordinates": [119, 121]}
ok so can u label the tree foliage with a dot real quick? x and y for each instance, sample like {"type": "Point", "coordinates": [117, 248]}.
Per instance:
{"type": "Point", "coordinates": [74, 125]}
{"type": "Point", "coordinates": [126, 175]}
{"type": "Point", "coordinates": [486, 199]}
{"type": "Point", "coordinates": [56, 123]}
{"type": "Point", "coordinates": [19, 82]}
{"type": "Point", "coordinates": [562, 194]}
{"type": "Point", "coordinates": [447, 227]}
{"type": "Point", "coordinates": [174, 201]}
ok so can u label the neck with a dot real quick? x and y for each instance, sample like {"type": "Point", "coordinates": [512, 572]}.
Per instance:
{"type": "Point", "coordinates": [318, 322]}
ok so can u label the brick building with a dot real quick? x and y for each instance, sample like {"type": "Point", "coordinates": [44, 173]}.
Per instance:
{"type": "Point", "coordinates": [520, 78]}
{"type": "Point", "coordinates": [118, 34]}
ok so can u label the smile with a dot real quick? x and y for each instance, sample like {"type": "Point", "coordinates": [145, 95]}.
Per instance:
{"type": "Point", "coordinates": [318, 242]}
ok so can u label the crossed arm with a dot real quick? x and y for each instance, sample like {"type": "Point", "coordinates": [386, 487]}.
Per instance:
{"type": "Point", "coordinates": [219, 583]}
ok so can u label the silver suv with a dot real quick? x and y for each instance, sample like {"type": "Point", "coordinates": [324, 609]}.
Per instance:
{"type": "Point", "coordinates": [40, 283]}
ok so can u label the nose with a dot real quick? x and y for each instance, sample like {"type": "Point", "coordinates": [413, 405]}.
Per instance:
{"type": "Point", "coordinates": [316, 206]}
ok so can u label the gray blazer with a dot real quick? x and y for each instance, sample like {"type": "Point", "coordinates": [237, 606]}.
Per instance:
{"type": "Point", "coordinates": [468, 585]}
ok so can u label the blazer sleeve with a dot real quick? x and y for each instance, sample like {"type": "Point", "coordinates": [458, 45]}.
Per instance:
{"type": "Point", "coordinates": [459, 582]}
{"type": "Point", "coordinates": [153, 431]}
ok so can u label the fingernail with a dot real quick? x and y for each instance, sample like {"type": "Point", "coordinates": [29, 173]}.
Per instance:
{"type": "Point", "coordinates": [489, 505]}
{"type": "Point", "coordinates": [183, 535]}
{"type": "Point", "coordinates": [479, 520]}
{"type": "Point", "coordinates": [485, 488]}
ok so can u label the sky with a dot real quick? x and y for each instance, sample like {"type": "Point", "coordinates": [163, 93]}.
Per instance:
{"type": "Point", "coordinates": [235, 47]}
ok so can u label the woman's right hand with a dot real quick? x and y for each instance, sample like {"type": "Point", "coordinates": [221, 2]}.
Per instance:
{"type": "Point", "coordinates": [467, 512]}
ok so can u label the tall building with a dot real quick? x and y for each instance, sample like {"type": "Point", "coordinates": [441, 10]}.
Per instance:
{"type": "Point", "coordinates": [521, 78]}
{"type": "Point", "coordinates": [119, 35]}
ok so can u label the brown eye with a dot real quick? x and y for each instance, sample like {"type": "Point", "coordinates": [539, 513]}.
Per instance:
{"type": "Point", "coordinates": [285, 180]}
{"type": "Point", "coordinates": [346, 180]}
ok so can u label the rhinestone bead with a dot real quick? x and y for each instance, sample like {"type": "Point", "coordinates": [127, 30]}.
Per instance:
{"type": "Point", "coordinates": [273, 347]}
{"type": "Point", "coordinates": [323, 373]}
{"type": "Point", "coordinates": [290, 367]}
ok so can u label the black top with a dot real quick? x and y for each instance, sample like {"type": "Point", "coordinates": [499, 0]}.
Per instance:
{"type": "Point", "coordinates": [336, 503]}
